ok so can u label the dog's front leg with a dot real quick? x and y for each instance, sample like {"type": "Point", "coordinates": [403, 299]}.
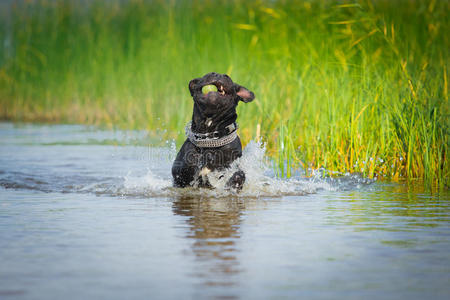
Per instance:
{"type": "Point", "coordinates": [183, 175]}
{"type": "Point", "coordinates": [185, 167]}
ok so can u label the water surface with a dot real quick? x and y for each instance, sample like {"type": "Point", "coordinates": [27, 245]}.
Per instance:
{"type": "Point", "coordinates": [88, 214]}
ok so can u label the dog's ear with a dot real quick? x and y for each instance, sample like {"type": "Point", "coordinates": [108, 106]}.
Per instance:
{"type": "Point", "coordinates": [193, 85]}
{"type": "Point", "coordinates": [244, 94]}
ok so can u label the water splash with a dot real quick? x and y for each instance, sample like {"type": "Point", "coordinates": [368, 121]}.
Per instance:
{"type": "Point", "coordinates": [260, 180]}
{"type": "Point", "coordinates": [149, 184]}
{"type": "Point", "coordinates": [74, 159]}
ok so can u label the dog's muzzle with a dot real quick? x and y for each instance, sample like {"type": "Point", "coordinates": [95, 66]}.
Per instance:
{"type": "Point", "coordinates": [213, 139]}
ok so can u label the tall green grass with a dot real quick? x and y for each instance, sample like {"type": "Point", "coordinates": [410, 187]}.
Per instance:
{"type": "Point", "coordinates": [350, 86]}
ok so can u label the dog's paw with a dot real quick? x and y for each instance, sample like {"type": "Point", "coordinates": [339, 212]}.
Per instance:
{"type": "Point", "coordinates": [236, 182]}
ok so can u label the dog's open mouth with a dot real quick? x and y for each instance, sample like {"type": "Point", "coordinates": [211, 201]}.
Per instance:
{"type": "Point", "coordinates": [213, 88]}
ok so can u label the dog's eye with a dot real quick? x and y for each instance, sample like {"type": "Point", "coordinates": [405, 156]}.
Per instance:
{"type": "Point", "coordinates": [209, 88]}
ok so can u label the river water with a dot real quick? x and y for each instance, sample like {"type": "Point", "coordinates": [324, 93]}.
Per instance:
{"type": "Point", "coordinates": [90, 214]}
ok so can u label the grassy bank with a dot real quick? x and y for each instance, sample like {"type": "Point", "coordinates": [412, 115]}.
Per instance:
{"type": "Point", "coordinates": [348, 86]}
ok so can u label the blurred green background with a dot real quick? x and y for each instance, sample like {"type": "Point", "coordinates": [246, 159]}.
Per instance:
{"type": "Point", "coordinates": [350, 86]}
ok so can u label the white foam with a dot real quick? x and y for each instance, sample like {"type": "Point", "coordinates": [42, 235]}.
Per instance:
{"type": "Point", "coordinates": [149, 184]}
{"type": "Point", "coordinates": [259, 179]}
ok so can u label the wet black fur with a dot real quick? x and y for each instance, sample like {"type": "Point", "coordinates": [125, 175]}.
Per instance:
{"type": "Point", "coordinates": [212, 111]}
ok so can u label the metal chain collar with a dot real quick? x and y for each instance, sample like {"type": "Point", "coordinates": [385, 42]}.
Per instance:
{"type": "Point", "coordinates": [209, 142]}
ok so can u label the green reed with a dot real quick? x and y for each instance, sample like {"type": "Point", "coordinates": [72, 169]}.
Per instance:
{"type": "Point", "coordinates": [350, 86]}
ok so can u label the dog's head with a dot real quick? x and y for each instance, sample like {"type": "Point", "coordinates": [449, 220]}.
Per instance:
{"type": "Point", "coordinates": [225, 93]}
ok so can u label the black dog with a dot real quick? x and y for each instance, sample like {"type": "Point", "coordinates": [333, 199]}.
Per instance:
{"type": "Point", "coordinates": [212, 142]}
